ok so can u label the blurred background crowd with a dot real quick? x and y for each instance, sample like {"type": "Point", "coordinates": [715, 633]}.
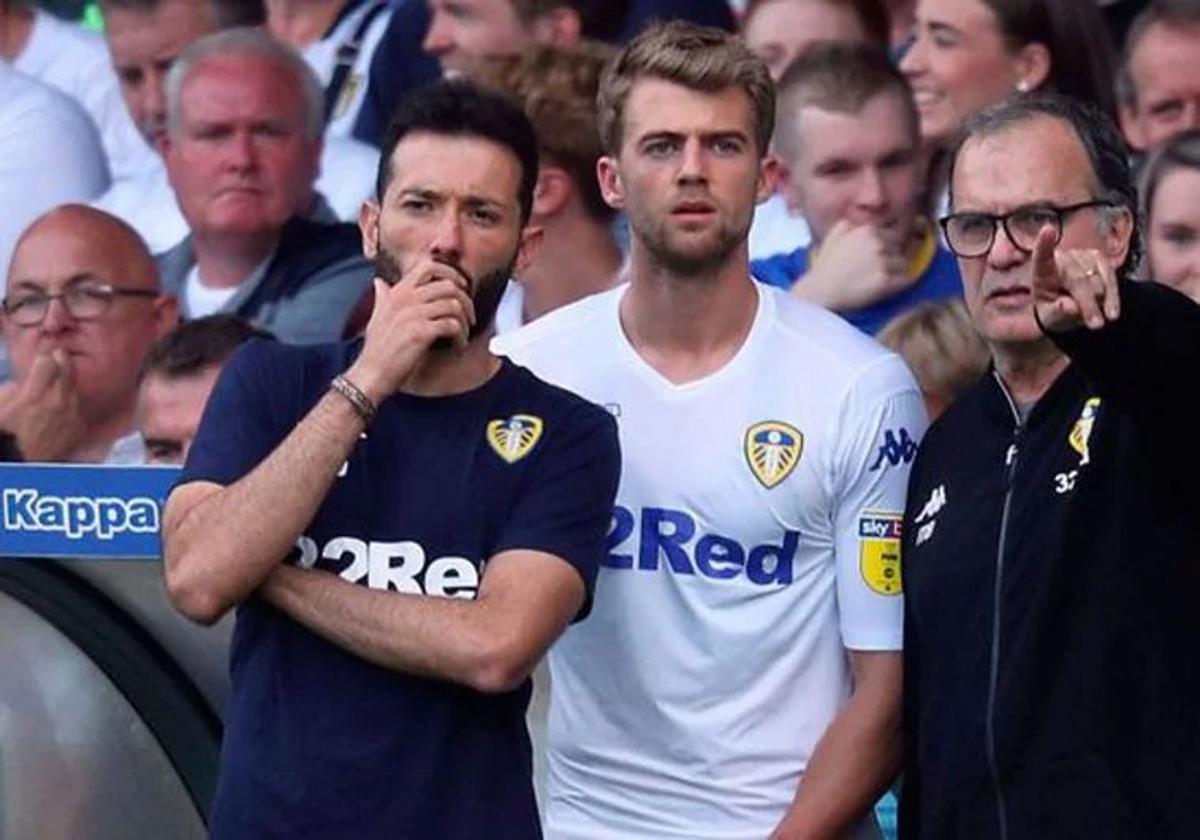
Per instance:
{"type": "Point", "coordinates": [179, 175]}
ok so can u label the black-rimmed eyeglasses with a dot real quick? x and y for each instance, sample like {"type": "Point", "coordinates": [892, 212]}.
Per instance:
{"type": "Point", "coordinates": [83, 301]}
{"type": "Point", "coordinates": [971, 234]}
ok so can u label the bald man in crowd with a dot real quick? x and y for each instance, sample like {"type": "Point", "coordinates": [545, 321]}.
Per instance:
{"type": "Point", "coordinates": [83, 308]}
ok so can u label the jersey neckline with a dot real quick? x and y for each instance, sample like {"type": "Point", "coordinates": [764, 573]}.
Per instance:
{"type": "Point", "coordinates": [764, 311]}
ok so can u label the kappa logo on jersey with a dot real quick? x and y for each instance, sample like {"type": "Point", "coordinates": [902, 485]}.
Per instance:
{"type": "Point", "coordinates": [514, 438]}
{"type": "Point", "coordinates": [397, 566]}
{"type": "Point", "coordinates": [896, 449]}
{"type": "Point", "coordinates": [672, 536]}
{"type": "Point", "coordinates": [772, 450]}
{"type": "Point", "coordinates": [1081, 432]}
{"type": "Point", "coordinates": [879, 551]}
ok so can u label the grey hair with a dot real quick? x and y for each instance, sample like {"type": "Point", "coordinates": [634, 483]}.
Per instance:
{"type": "Point", "coordinates": [246, 41]}
{"type": "Point", "coordinates": [1172, 14]}
{"type": "Point", "coordinates": [1111, 174]}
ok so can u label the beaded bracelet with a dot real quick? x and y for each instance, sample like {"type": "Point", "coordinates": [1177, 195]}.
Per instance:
{"type": "Point", "coordinates": [354, 395]}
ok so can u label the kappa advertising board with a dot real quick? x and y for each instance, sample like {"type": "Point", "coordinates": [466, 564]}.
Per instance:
{"type": "Point", "coordinates": [56, 510]}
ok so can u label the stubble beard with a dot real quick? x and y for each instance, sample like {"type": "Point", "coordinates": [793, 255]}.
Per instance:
{"type": "Point", "coordinates": [698, 261]}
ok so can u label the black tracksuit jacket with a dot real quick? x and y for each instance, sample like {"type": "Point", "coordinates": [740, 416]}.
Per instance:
{"type": "Point", "coordinates": [1052, 615]}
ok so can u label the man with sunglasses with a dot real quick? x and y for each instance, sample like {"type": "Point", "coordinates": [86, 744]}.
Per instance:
{"type": "Point", "coordinates": [1051, 532]}
{"type": "Point", "coordinates": [82, 309]}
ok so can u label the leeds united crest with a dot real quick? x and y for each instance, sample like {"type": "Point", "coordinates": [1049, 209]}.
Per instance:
{"type": "Point", "coordinates": [514, 438]}
{"type": "Point", "coordinates": [772, 451]}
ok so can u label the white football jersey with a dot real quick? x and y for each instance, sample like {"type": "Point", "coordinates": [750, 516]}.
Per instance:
{"type": "Point", "coordinates": [755, 539]}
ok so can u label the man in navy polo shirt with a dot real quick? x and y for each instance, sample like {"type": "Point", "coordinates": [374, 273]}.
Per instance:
{"type": "Point", "coordinates": [406, 521]}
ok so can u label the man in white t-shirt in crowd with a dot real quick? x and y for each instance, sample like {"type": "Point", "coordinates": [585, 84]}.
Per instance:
{"type": "Point", "coordinates": [82, 309]}
{"type": "Point", "coordinates": [740, 673]}
{"type": "Point", "coordinates": [338, 39]}
{"type": "Point", "coordinates": [145, 37]}
{"type": "Point", "coordinates": [73, 60]}
{"type": "Point", "coordinates": [242, 144]}
{"type": "Point", "coordinates": [50, 154]}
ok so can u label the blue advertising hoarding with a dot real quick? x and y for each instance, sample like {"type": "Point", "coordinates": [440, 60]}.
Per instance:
{"type": "Point", "coordinates": [59, 510]}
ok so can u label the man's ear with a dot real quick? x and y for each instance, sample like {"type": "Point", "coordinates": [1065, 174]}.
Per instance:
{"type": "Point", "coordinates": [551, 192]}
{"type": "Point", "coordinates": [1118, 238]}
{"type": "Point", "coordinates": [527, 249]}
{"type": "Point", "coordinates": [561, 26]}
{"type": "Point", "coordinates": [611, 188]}
{"type": "Point", "coordinates": [1131, 127]}
{"type": "Point", "coordinates": [368, 226]}
{"type": "Point", "coordinates": [769, 177]}
{"type": "Point", "coordinates": [166, 315]}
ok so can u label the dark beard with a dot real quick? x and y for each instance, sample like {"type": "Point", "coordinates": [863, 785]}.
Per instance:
{"type": "Point", "coordinates": [485, 292]}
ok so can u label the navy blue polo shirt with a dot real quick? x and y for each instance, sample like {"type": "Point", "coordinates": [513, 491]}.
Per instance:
{"type": "Point", "coordinates": [322, 744]}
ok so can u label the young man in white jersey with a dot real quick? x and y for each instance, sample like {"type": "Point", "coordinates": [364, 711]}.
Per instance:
{"type": "Point", "coordinates": [740, 675]}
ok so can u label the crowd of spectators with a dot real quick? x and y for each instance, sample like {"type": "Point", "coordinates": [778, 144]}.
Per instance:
{"type": "Point", "coordinates": [238, 138]}
{"type": "Point", "coordinates": [194, 175]}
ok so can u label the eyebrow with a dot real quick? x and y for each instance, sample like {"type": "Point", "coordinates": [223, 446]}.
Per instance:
{"type": "Point", "coordinates": [720, 134]}
{"type": "Point", "coordinates": [34, 285]}
{"type": "Point", "coordinates": [940, 26]}
{"type": "Point", "coordinates": [435, 196]}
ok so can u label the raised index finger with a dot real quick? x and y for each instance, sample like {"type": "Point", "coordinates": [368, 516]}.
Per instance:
{"type": "Point", "coordinates": [1045, 267]}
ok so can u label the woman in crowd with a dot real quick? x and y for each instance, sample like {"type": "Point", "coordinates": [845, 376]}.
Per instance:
{"type": "Point", "coordinates": [969, 54]}
{"type": "Point", "coordinates": [1170, 193]}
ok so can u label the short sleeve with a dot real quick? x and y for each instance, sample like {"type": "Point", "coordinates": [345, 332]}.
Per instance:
{"type": "Point", "coordinates": [882, 422]}
{"type": "Point", "coordinates": [565, 508]}
{"type": "Point", "coordinates": [242, 421]}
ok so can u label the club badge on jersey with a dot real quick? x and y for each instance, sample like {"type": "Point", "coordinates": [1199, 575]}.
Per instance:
{"type": "Point", "coordinates": [772, 451]}
{"type": "Point", "coordinates": [1081, 432]}
{"type": "Point", "coordinates": [514, 437]}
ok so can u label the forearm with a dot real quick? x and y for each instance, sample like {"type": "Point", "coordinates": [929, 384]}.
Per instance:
{"type": "Point", "coordinates": [218, 552]}
{"type": "Point", "coordinates": [854, 762]}
{"type": "Point", "coordinates": [445, 638]}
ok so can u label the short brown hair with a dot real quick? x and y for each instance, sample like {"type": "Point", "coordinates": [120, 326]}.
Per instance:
{"type": "Point", "coordinates": [556, 88]}
{"type": "Point", "coordinates": [701, 58]}
{"type": "Point", "coordinates": [840, 77]}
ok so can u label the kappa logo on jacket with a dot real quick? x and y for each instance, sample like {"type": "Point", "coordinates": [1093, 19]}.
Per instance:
{"type": "Point", "coordinates": [925, 519]}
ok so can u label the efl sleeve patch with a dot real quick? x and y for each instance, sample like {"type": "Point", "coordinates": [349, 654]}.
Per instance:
{"type": "Point", "coordinates": [879, 552]}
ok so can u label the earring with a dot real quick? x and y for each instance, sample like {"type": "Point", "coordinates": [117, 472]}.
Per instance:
{"type": "Point", "coordinates": [1022, 86]}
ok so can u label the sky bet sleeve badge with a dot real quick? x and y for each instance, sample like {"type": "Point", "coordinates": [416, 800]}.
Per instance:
{"type": "Point", "coordinates": [879, 551]}
{"type": "Point", "coordinates": [514, 438]}
{"type": "Point", "coordinates": [772, 450]}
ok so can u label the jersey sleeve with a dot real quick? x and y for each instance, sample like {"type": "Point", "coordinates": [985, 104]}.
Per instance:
{"type": "Point", "coordinates": [241, 423]}
{"type": "Point", "coordinates": [881, 423]}
{"type": "Point", "coordinates": [567, 503]}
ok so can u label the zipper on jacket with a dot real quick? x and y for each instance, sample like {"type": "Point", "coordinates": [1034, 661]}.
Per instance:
{"type": "Point", "coordinates": [1010, 466]}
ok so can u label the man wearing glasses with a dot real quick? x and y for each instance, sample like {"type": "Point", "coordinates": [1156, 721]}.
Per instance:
{"type": "Point", "coordinates": [83, 308]}
{"type": "Point", "coordinates": [1051, 535]}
